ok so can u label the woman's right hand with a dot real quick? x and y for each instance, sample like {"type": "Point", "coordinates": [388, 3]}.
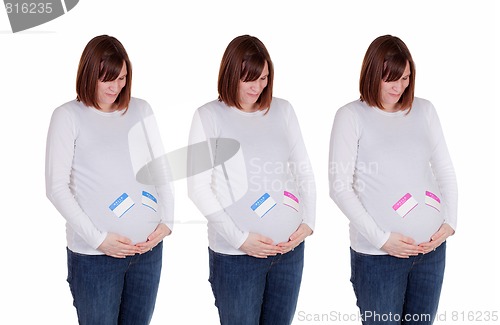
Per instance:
{"type": "Point", "coordinates": [118, 246]}
{"type": "Point", "coordinates": [401, 246]}
{"type": "Point", "coordinates": [260, 246]}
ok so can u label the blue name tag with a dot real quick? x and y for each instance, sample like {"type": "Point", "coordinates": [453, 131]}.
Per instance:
{"type": "Point", "coordinates": [263, 205]}
{"type": "Point", "coordinates": [121, 205]}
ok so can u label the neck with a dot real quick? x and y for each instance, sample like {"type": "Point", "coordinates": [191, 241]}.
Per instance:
{"type": "Point", "coordinates": [108, 108]}
{"type": "Point", "coordinates": [250, 108]}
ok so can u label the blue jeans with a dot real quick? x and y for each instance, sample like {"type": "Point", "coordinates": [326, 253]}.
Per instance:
{"type": "Point", "coordinates": [391, 290]}
{"type": "Point", "coordinates": [252, 291]}
{"type": "Point", "coordinates": [111, 291]}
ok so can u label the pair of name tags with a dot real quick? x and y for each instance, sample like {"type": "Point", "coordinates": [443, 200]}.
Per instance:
{"type": "Point", "coordinates": [408, 203]}
{"type": "Point", "coordinates": [124, 203]}
{"type": "Point", "coordinates": [265, 203]}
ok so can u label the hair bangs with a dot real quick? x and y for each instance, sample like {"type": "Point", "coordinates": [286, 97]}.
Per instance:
{"type": "Point", "coordinates": [111, 67]}
{"type": "Point", "coordinates": [394, 68]}
{"type": "Point", "coordinates": [252, 68]}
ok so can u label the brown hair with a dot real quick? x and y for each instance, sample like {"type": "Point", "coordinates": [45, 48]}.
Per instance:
{"type": "Point", "coordinates": [102, 60]}
{"type": "Point", "coordinates": [244, 60]}
{"type": "Point", "coordinates": [385, 60]}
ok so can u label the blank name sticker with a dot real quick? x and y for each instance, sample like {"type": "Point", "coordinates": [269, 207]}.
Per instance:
{"type": "Point", "coordinates": [291, 200]}
{"type": "Point", "coordinates": [432, 200]}
{"type": "Point", "coordinates": [263, 205]}
{"type": "Point", "coordinates": [121, 205]}
{"type": "Point", "coordinates": [149, 200]}
{"type": "Point", "coordinates": [405, 205]}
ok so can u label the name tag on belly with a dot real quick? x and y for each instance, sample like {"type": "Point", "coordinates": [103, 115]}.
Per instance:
{"type": "Point", "coordinates": [149, 200]}
{"type": "Point", "coordinates": [263, 205]}
{"type": "Point", "coordinates": [291, 200]}
{"type": "Point", "coordinates": [405, 205]}
{"type": "Point", "coordinates": [121, 205]}
{"type": "Point", "coordinates": [432, 200]}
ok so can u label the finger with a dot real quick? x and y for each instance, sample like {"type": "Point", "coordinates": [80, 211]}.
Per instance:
{"type": "Point", "coordinates": [274, 251]}
{"type": "Point", "coordinates": [124, 240]}
{"type": "Point", "coordinates": [116, 255]}
{"type": "Point", "coordinates": [297, 240]}
{"type": "Point", "coordinates": [412, 252]}
{"type": "Point", "coordinates": [437, 236]}
{"type": "Point", "coordinates": [411, 247]}
{"type": "Point", "coordinates": [269, 251]}
{"type": "Point", "coordinates": [157, 234]}
{"type": "Point", "coordinates": [267, 246]}
{"type": "Point", "coordinates": [426, 245]}
{"type": "Point", "coordinates": [408, 240]}
{"type": "Point", "coordinates": [266, 240]}
{"type": "Point", "coordinates": [258, 255]}
{"type": "Point", "coordinates": [299, 233]}
{"type": "Point", "coordinates": [287, 245]}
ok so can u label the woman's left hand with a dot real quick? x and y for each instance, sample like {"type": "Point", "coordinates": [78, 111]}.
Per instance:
{"type": "Point", "coordinates": [155, 238]}
{"type": "Point", "coordinates": [438, 238]}
{"type": "Point", "coordinates": [296, 238]}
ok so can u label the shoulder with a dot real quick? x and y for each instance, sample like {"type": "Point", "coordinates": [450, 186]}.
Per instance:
{"type": "Point", "coordinates": [69, 109]}
{"type": "Point", "coordinates": [211, 109]}
{"type": "Point", "coordinates": [422, 103]}
{"type": "Point", "coordinates": [213, 105]}
{"type": "Point", "coordinates": [67, 117]}
{"type": "Point", "coordinates": [70, 105]}
{"type": "Point", "coordinates": [140, 104]}
{"type": "Point", "coordinates": [281, 103]}
{"type": "Point", "coordinates": [280, 106]}
{"type": "Point", "coordinates": [353, 109]}
{"type": "Point", "coordinates": [424, 107]}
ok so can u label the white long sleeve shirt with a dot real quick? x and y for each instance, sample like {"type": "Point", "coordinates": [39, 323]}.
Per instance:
{"type": "Point", "coordinates": [265, 185]}
{"type": "Point", "coordinates": [391, 172]}
{"type": "Point", "coordinates": [92, 158]}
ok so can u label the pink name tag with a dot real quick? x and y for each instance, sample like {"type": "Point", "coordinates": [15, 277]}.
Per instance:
{"type": "Point", "coordinates": [432, 200]}
{"type": "Point", "coordinates": [405, 205]}
{"type": "Point", "coordinates": [291, 200]}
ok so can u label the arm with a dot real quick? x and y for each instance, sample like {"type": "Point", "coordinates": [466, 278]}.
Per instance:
{"type": "Point", "coordinates": [58, 165]}
{"type": "Point", "coordinates": [164, 187]}
{"type": "Point", "coordinates": [200, 189]}
{"type": "Point", "coordinates": [444, 172]}
{"type": "Point", "coordinates": [301, 169]}
{"type": "Point", "coordinates": [343, 155]}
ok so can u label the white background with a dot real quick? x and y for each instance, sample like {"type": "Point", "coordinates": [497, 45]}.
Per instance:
{"type": "Point", "coordinates": [317, 48]}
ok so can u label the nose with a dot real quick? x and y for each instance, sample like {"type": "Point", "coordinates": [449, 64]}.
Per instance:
{"type": "Point", "coordinates": [398, 85]}
{"type": "Point", "coordinates": [113, 85]}
{"type": "Point", "coordinates": [258, 85]}
{"type": "Point", "coordinates": [255, 85]}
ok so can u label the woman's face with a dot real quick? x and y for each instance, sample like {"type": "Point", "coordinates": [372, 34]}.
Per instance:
{"type": "Point", "coordinates": [391, 91]}
{"type": "Point", "coordinates": [249, 91]}
{"type": "Point", "coordinates": [108, 91]}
